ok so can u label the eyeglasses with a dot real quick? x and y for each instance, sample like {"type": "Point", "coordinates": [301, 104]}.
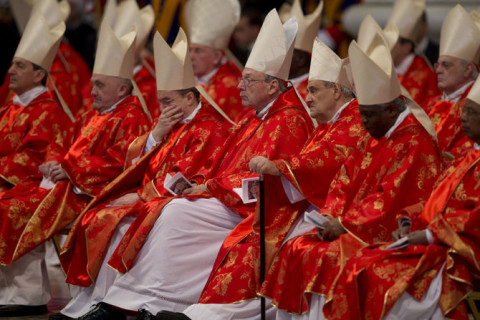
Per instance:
{"type": "Point", "coordinates": [249, 81]}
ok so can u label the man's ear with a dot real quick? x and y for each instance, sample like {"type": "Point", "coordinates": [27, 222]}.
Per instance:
{"type": "Point", "coordinates": [217, 57]}
{"type": "Point", "coordinates": [190, 97]}
{"type": "Point", "coordinates": [337, 91]}
{"type": "Point", "coordinates": [469, 70]}
{"type": "Point", "coordinates": [273, 86]}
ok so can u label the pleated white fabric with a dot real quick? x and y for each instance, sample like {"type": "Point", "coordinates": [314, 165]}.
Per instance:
{"type": "Point", "coordinates": [173, 265]}
{"type": "Point", "coordinates": [25, 281]}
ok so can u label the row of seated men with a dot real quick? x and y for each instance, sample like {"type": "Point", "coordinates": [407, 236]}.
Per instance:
{"type": "Point", "coordinates": [376, 164]}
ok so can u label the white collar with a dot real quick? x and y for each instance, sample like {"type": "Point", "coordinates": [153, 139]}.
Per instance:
{"type": "Point", "coordinates": [455, 96]}
{"type": "Point", "coordinates": [400, 119]}
{"type": "Point", "coordinates": [137, 69]}
{"type": "Point", "coordinates": [263, 113]}
{"type": "Point", "coordinates": [476, 146]}
{"type": "Point", "coordinates": [405, 64]}
{"type": "Point", "coordinates": [25, 98]}
{"type": "Point", "coordinates": [339, 111]}
{"type": "Point", "coordinates": [192, 115]}
{"type": "Point", "coordinates": [112, 108]}
{"type": "Point", "coordinates": [298, 80]}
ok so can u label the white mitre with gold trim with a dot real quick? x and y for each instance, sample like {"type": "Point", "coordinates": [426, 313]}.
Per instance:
{"type": "Point", "coordinates": [211, 22]}
{"type": "Point", "coordinates": [115, 56]}
{"type": "Point", "coordinates": [53, 11]}
{"type": "Point", "coordinates": [272, 52]}
{"type": "Point", "coordinates": [460, 35]}
{"type": "Point", "coordinates": [40, 42]}
{"type": "Point", "coordinates": [327, 66]}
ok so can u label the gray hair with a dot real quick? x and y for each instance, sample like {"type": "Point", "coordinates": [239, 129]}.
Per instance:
{"type": "Point", "coordinates": [346, 93]}
{"type": "Point", "coordinates": [281, 83]}
{"type": "Point", "coordinates": [474, 74]}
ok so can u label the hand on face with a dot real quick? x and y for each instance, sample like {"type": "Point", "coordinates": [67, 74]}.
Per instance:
{"type": "Point", "coordinates": [170, 116]}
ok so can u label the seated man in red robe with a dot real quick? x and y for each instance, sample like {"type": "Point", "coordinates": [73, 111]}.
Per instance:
{"type": "Point", "coordinates": [457, 71]}
{"type": "Point", "coordinates": [173, 242]}
{"type": "Point", "coordinates": [24, 133]}
{"type": "Point", "coordinates": [187, 138]}
{"type": "Point", "coordinates": [432, 268]}
{"type": "Point", "coordinates": [380, 177]}
{"type": "Point", "coordinates": [208, 42]}
{"type": "Point", "coordinates": [414, 72]}
{"type": "Point", "coordinates": [75, 170]}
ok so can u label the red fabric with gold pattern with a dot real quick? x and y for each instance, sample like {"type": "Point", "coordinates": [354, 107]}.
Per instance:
{"type": "Point", "coordinates": [376, 278]}
{"type": "Point", "coordinates": [420, 80]}
{"type": "Point", "coordinates": [378, 179]}
{"type": "Point", "coordinates": [222, 88]}
{"type": "Point", "coordinates": [32, 215]}
{"type": "Point", "coordinates": [25, 133]}
{"type": "Point", "coordinates": [70, 73]}
{"type": "Point", "coordinates": [445, 117]}
{"type": "Point", "coordinates": [190, 149]}
{"type": "Point", "coordinates": [147, 84]}
{"type": "Point", "coordinates": [320, 158]}
{"type": "Point", "coordinates": [281, 133]}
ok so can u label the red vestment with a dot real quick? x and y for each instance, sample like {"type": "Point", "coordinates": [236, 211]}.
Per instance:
{"type": "Point", "coordinates": [31, 215]}
{"type": "Point", "coordinates": [445, 117]}
{"type": "Point", "coordinates": [420, 80]}
{"type": "Point", "coordinates": [280, 134]}
{"type": "Point", "coordinates": [376, 278]}
{"type": "Point", "coordinates": [147, 84]}
{"type": "Point", "coordinates": [302, 88]}
{"type": "Point", "coordinates": [310, 172]}
{"type": "Point", "coordinates": [189, 148]}
{"type": "Point", "coordinates": [25, 133]}
{"type": "Point", "coordinates": [70, 73]}
{"type": "Point", "coordinates": [222, 88]}
{"type": "Point", "coordinates": [378, 179]}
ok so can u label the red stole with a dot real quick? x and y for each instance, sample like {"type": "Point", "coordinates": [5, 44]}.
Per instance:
{"type": "Point", "coordinates": [87, 135]}
{"type": "Point", "coordinates": [439, 198]}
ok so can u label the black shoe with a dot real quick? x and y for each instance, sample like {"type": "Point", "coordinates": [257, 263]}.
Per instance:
{"type": "Point", "coordinates": [104, 311]}
{"type": "Point", "coordinates": [18, 310]}
{"type": "Point", "coordinates": [58, 316]}
{"type": "Point", "coordinates": [145, 315]}
{"type": "Point", "coordinates": [169, 315]}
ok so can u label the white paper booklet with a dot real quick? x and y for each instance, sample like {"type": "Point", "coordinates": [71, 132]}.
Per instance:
{"type": "Point", "coordinates": [249, 190]}
{"type": "Point", "coordinates": [176, 184]}
{"type": "Point", "coordinates": [313, 216]}
{"type": "Point", "coordinates": [47, 184]}
{"type": "Point", "coordinates": [291, 192]}
{"type": "Point", "coordinates": [399, 244]}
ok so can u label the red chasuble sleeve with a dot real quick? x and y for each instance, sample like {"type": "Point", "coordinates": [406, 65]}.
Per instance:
{"type": "Point", "coordinates": [286, 128]}
{"type": "Point", "coordinates": [92, 171]}
{"type": "Point", "coordinates": [192, 154]}
{"type": "Point", "coordinates": [381, 178]}
{"type": "Point", "coordinates": [25, 133]}
{"type": "Point", "coordinates": [420, 80]}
